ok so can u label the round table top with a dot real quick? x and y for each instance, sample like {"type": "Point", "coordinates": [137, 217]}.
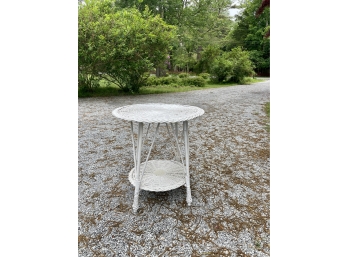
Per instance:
{"type": "Point", "coordinates": [157, 112]}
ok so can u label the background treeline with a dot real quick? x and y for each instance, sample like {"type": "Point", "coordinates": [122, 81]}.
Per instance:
{"type": "Point", "coordinates": [124, 41]}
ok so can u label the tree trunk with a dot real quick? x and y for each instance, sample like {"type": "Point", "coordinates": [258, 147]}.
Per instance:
{"type": "Point", "coordinates": [160, 72]}
{"type": "Point", "coordinates": [199, 50]}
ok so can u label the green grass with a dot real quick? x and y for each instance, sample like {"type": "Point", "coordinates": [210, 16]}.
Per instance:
{"type": "Point", "coordinates": [166, 89]}
{"type": "Point", "coordinates": [106, 90]}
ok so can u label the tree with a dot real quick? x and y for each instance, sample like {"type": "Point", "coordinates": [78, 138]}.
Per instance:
{"type": "Point", "coordinates": [121, 45]}
{"type": "Point", "coordinates": [207, 23]}
{"type": "Point", "coordinates": [249, 33]}
{"type": "Point", "coordinates": [199, 23]}
{"type": "Point", "coordinates": [264, 4]}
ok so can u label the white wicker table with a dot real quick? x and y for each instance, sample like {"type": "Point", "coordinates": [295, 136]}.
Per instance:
{"type": "Point", "coordinates": [159, 175]}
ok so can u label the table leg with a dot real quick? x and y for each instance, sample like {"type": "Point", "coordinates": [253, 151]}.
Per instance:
{"type": "Point", "coordinates": [137, 168]}
{"type": "Point", "coordinates": [176, 130]}
{"type": "Point", "coordinates": [188, 188]}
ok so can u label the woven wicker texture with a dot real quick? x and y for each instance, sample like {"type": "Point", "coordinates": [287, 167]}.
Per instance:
{"type": "Point", "coordinates": [157, 112]}
{"type": "Point", "coordinates": [160, 175]}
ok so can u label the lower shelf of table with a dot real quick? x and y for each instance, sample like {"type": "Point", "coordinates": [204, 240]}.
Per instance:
{"type": "Point", "coordinates": [160, 175]}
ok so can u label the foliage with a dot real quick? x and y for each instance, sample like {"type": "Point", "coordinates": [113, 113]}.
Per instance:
{"type": "Point", "coordinates": [175, 81]}
{"type": "Point", "coordinates": [208, 56]}
{"type": "Point", "coordinates": [87, 81]}
{"type": "Point", "coordinates": [121, 45]}
{"type": "Point", "coordinates": [151, 81]}
{"type": "Point", "coordinates": [182, 59]}
{"type": "Point", "coordinates": [207, 22]}
{"type": "Point", "coordinates": [249, 32]}
{"type": "Point", "coordinates": [267, 110]}
{"type": "Point", "coordinates": [113, 90]}
{"type": "Point", "coordinates": [242, 66]}
{"type": "Point", "coordinates": [264, 4]}
{"type": "Point", "coordinates": [121, 41]}
{"type": "Point", "coordinates": [200, 23]}
{"type": "Point", "coordinates": [183, 75]}
{"type": "Point", "coordinates": [261, 62]}
{"type": "Point", "coordinates": [156, 81]}
{"type": "Point", "coordinates": [204, 75]}
{"type": "Point", "coordinates": [167, 80]}
{"type": "Point", "coordinates": [232, 66]}
{"type": "Point", "coordinates": [221, 69]}
{"type": "Point", "coordinates": [261, 9]}
{"type": "Point", "coordinates": [88, 54]}
{"type": "Point", "coordinates": [194, 81]}
{"type": "Point", "coordinates": [171, 11]}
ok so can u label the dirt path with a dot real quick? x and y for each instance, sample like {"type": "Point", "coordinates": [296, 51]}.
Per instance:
{"type": "Point", "coordinates": [229, 167]}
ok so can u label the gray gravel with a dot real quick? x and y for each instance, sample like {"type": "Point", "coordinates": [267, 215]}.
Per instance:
{"type": "Point", "coordinates": [230, 180]}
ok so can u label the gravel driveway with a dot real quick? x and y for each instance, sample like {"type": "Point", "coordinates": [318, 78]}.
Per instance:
{"type": "Point", "coordinates": [229, 171]}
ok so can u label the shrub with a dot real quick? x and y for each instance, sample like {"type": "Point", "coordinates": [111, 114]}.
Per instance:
{"type": "Point", "coordinates": [168, 80]}
{"type": "Point", "coordinates": [87, 81]}
{"type": "Point", "coordinates": [242, 65]}
{"type": "Point", "coordinates": [183, 75]}
{"type": "Point", "coordinates": [221, 69]}
{"type": "Point", "coordinates": [208, 56]}
{"type": "Point", "coordinates": [175, 81]}
{"type": "Point", "coordinates": [246, 81]}
{"type": "Point", "coordinates": [232, 66]}
{"type": "Point", "coordinates": [151, 81]}
{"type": "Point", "coordinates": [204, 75]}
{"type": "Point", "coordinates": [121, 44]}
{"type": "Point", "coordinates": [155, 81]}
{"type": "Point", "coordinates": [195, 81]}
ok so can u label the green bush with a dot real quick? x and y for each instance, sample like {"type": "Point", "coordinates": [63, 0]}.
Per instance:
{"type": "Point", "coordinates": [208, 56]}
{"type": "Point", "coordinates": [221, 69]}
{"type": "Point", "coordinates": [151, 81]}
{"type": "Point", "coordinates": [195, 81]}
{"type": "Point", "coordinates": [232, 66]}
{"type": "Point", "coordinates": [242, 65]}
{"type": "Point", "coordinates": [105, 83]}
{"type": "Point", "coordinates": [204, 75]}
{"type": "Point", "coordinates": [155, 81]}
{"type": "Point", "coordinates": [121, 44]}
{"type": "Point", "coordinates": [168, 80]}
{"type": "Point", "coordinates": [183, 75]}
{"type": "Point", "coordinates": [176, 81]}
{"type": "Point", "coordinates": [87, 81]}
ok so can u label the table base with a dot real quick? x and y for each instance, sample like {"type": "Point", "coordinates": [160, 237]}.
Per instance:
{"type": "Point", "coordinates": [160, 175]}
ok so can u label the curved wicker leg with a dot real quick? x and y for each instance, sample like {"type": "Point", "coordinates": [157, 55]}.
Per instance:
{"type": "Point", "coordinates": [188, 188]}
{"type": "Point", "coordinates": [137, 170]}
